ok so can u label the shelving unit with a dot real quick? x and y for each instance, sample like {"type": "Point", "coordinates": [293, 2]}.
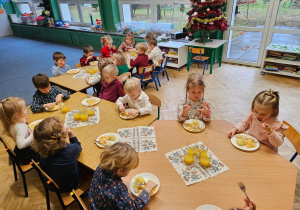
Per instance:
{"type": "Point", "coordinates": [278, 48]}
{"type": "Point", "coordinates": [181, 57]}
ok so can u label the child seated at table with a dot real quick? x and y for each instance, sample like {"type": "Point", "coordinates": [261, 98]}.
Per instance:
{"type": "Point", "coordinates": [98, 79]}
{"type": "Point", "coordinates": [107, 48]}
{"type": "Point", "coordinates": [155, 53]}
{"type": "Point", "coordinates": [60, 66]}
{"type": "Point", "coordinates": [135, 97]}
{"type": "Point", "coordinates": [127, 43]}
{"type": "Point", "coordinates": [58, 158]}
{"type": "Point", "coordinates": [194, 105]}
{"type": "Point", "coordinates": [249, 205]}
{"type": "Point", "coordinates": [261, 122]}
{"type": "Point", "coordinates": [148, 37]}
{"type": "Point", "coordinates": [107, 189]}
{"type": "Point", "coordinates": [120, 61]}
{"type": "Point", "coordinates": [46, 96]}
{"type": "Point", "coordinates": [111, 88]}
{"type": "Point", "coordinates": [141, 60]}
{"type": "Point", "coordinates": [13, 115]}
{"type": "Point", "coordinates": [88, 55]}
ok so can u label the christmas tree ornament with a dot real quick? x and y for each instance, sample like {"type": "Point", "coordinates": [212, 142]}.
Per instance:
{"type": "Point", "coordinates": [211, 23]}
{"type": "Point", "coordinates": [186, 38]}
{"type": "Point", "coordinates": [203, 1]}
{"type": "Point", "coordinates": [195, 13]}
{"type": "Point", "coordinates": [207, 9]}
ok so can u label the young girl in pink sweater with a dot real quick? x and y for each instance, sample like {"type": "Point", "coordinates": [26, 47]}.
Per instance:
{"type": "Point", "coordinates": [262, 122]}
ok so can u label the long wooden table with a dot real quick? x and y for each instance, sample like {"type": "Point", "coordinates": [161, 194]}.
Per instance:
{"type": "Point", "coordinates": [110, 121]}
{"type": "Point", "coordinates": [270, 179]}
{"type": "Point", "coordinates": [67, 81]}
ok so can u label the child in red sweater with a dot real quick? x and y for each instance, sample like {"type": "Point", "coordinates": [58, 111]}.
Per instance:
{"type": "Point", "coordinates": [88, 55]}
{"type": "Point", "coordinates": [107, 48]}
{"type": "Point", "coordinates": [141, 60]}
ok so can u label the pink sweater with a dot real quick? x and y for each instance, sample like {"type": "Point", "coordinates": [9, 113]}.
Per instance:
{"type": "Point", "coordinates": [253, 125]}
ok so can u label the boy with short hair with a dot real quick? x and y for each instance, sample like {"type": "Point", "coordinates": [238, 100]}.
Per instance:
{"type": "Point", "coordinates": [135, 97]}
{"type": "Point", "coordinates": [60, 66]}
{"type": "Point", "coordinates": [155, 53]}
{"type": "Point", "coordinates": [46, 96]}
{"type": "Point", "coordinates": [141, 60]}
{"type": "Point", "coordinates": [111, 88]}
{"type": "Point", "coordinates": [88, 55]}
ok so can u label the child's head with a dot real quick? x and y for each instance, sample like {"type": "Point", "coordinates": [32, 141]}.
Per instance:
{"type": "Point", "coordinates": [110, 73]}
{"type": "Point", "coordinates": [141, 48]}
{"type": "Point", "coordinates": [49, 136]}
{"type": "Point", "coordinates": [129, 38]}
{"type": "Point", "coordinates": [42, 83]}
{"type": "Point", "coordinates": [103, 62]}
{"type": "Point", "coordinates": [152, 43]}
{"type": "Point", "coordinates": [149, 36]}
{"type": "Point", "coordinates": [266, 105]}
{"type": "Point", "coordinates": [11, 110]}
{"type": "Point", "coordinates": [88, 50]}
{"type": "Point", "coordinates": [133, 87]}
{"type": "Point", "coordinates": [120, 158]}
{"type": "Point", "coordinates": [119, 59]}
{"type": "Point", "coordinates": [195, 86]}
{"type": "Point", "coordinates": [59, 59]}
{"type": "Point", "coordinates": [106, 40]}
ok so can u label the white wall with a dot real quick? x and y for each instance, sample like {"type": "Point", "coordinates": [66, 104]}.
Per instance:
{"type": "Point", "coordinates": [5, 29]}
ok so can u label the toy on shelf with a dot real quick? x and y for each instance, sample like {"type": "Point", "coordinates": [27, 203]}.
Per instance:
{"type": "Point", "coordinates": [66, 25]}
{"type": "Point", "coordinates": [28, 18]}
{"type": "Point", "coordinates": [59, 23]}
{"type": "Point", "coordinates": [99, 26]}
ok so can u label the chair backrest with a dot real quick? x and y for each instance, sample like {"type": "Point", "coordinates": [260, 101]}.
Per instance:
{"type": "Point", "coordinates": [41, 172]}
{"type": "Point", "coordinates": [197, 50]}
{"type": "Point", "coordinates": [154, 100]}
{"type": "Point", "coordinates": [124, 77]}
{"type": "Point", "coordinates": [143, 70]}
{"type": "Point", "coordinates": [78, 65]}
{"type": "Point", "coordinates": [293, 136]}
{"type": "Point", "coordinates": [101, 56]}
{"type": "Point", "coordinates": [78, 199]}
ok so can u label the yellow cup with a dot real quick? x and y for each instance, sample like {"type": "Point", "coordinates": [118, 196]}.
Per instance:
{"type": "Point", "coordinates": [205, 158]}
{"type": "Point", "coordinates": [65, 109]}
{"type": "Point", "coordinates": [84, 117]}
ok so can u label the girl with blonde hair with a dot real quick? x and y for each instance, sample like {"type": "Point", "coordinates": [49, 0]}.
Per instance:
{"type": "Point", "coordinates": [13, 115]}
{"type": "Point", "coordinates": [120, 61]}
{"type": "Point", "coordinates": [194, 105]}
{"type": "Point", "coordinates": [107, 48]}
{"type": "Point", "coordinates": [128, 42]}
{"type": "Point", "coordinates": [262, 122]}
{"type": "Point", "coordinates": [107, 190]}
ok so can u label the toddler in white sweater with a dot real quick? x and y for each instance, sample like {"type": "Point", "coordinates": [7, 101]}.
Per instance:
{"type": "Point", "coordinates": [155, 53]}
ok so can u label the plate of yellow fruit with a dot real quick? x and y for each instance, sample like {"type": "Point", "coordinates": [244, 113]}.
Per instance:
{"type": "Point", "coordinates": [56, 107]}
{"type": "Point", "coordinates": [139, 181]}
{"type": "Point", "coordinates": [73, 71]}
{"type": "Point", "coordinates": [245, 142]}
{"type": "Point", "coordinates": [194, 125]}
{"type": "Point", "coordinates": [107, 139]}
{"type": "Point", "coordinates": [35, 123]}
{"type": "Point", "coordinates": [91, 101]}
{"type": "Point", "coordinates": [126, 116]}
{"type": "Point", "coordinates": [94, 63]}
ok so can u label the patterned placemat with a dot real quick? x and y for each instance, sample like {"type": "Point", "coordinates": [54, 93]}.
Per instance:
{"type": "Point", "coordinates": [141, 138]}
{"type": "Point", "coordinates": [71, 123]}
{"type": "Point", "coordinates": [194, 173]}
{"type": "Point", "coordinates": [82, 74]}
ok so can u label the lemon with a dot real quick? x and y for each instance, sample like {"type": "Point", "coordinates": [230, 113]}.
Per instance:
{"type": "Point", "coordinates": [84, 117]}
{"type": "Point", "coordinates": [91, 112]}
{"type": "Point", "coordinates": [77, 117]}
{"type": "Point", "coordinates": [140, 179]}
{"type": "Point", "coordinates": [188, 159]}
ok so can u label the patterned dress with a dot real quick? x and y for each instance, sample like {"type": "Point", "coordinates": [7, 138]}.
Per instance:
{"type": "Point", "coordinates": [108, 191]}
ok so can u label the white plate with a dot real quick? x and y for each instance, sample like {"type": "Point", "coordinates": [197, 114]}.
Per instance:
{"type": "Point", "coordinates": [233, 141]}
{"type": "Point", "coordinates": [73, 71]}
{"type": "Point", "coordinates": [146, 176]}
{"type": "Point", "coordinates": [94, 63]}
{"type": "Point", "coordinates": [208, 207]}
{"type": "Point", "coordinates": [107, 134]}
{"type": "Point", "coordinates": [201, 124]}
{"type": "Point", "coordinates": [128, 117]}
{"type": "Point", "coordinates": [34, 123]}
{"type": "Point", "coordinates": [56, 107]}
{"type": "Point", "coordinates": [85, 104]}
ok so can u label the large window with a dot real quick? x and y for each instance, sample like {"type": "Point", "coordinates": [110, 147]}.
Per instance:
{"type": "Point", "coordinates": [79, 12]}
{"type": "Point", "coordinates": [156, 11]}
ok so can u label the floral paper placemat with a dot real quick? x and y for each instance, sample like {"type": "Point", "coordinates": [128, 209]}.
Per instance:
{"type": "Point", "coordinates": [82, 74]}
{"type": "Point", "coordinates": [71, 123]}
{"type": "Point", "coordinates": [194, 173]}
{"type": "Point", "coordinates": [141, 138]}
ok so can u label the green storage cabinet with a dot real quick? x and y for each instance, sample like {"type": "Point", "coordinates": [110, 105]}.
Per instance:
{"type": "Point", "coordinates": [15, 29]}
{"type": "Point", "coordinates": [82, 38]}
{"type": "Point", "coordinates": [58, 35]}
{"type": "Point", "coordinates": [31, 32]}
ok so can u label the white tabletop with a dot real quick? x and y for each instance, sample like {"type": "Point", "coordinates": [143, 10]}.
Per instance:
{"type": "Point", "coordinates": [214, 44]}
{"type": "Point", "coordinates": [171, 44]}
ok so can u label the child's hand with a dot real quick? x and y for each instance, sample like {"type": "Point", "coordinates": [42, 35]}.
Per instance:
{"type": "Point", "coordinates": [267, 128]}
{"type": "Point", "coordinates": [90, 57]}
{"type": "Point", "coordinates": [29, 131]}
{"type": "Point", "coordinates": [122, 108]}
{"type": "Point", "coordinates": [249, 205]}
{"type": "Point", "coordinates": [232, 132]}
{"type": "Point", "coordinates": [59, 98]}
{"type": "Point", "coordinates": [150, 186]}
{"type": "Point", "coordinates": [26, 120]}
{"type": "Point", "coordinates": [70, 133]}
{"type": "Point", "coordinates": [87, 80]}
{"type": "Point", "coordinates": [49, 105]}
{"type": "Point", "coordinates": [134, 112]}
{"type": "Point", "coordinates": [98, 58]}
{"type": "Point", "coordinates": [114, 47]}
{"type": "Point", "coordinates": [205, 110]}
{"type": "Point", "coordinates": [186, 109]}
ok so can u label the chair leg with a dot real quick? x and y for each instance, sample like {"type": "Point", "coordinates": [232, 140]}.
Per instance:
{"type": "Point", "coordinates": [24, 184]}
{"type": "Point", "coordinates": [203, 68]}
{"type": "Point", "coordinates": [156, 85]}
{"type": "Point", "coordinates": [158, 79]}
{"type": "Point", "coordinates": [158, 110]}
{"type": "Point", "coordinates": [47, 199]}
{"type": "Point", "coordinates": [198, 65]}
{"type": "Point", "coordinates": [15, 171]}
{"type": "Point", "coordinates": [189, 65]}
{"type": "Point", "coordinates": [294, 156]}
{"type": "Point", "coordinates": [166, 74]}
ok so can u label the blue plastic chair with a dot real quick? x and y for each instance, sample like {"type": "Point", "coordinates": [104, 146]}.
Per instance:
{"type": "Point", "coordinates": [198, 58]}
{"type": "Point", "coordinates": [161, 68]}
{"type": "Point", "coordinates": [152, 75]}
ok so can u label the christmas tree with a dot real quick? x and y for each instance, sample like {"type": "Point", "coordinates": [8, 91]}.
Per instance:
{"type": "Point", "coordinates": [206, 16]}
